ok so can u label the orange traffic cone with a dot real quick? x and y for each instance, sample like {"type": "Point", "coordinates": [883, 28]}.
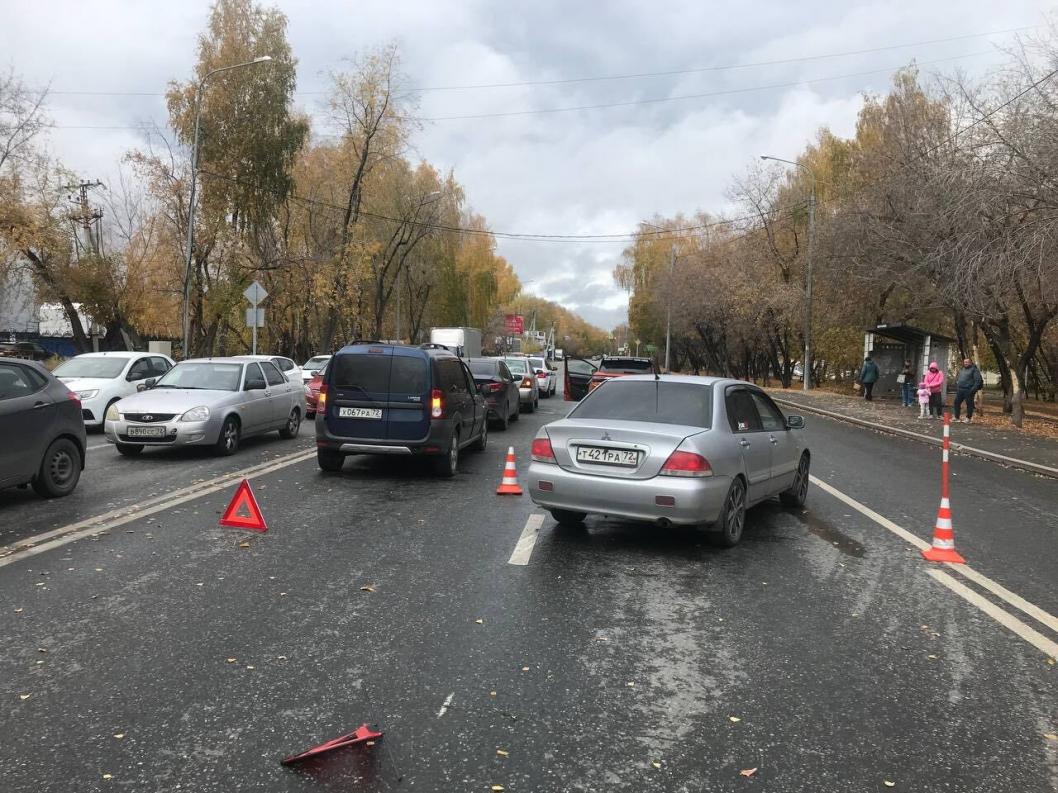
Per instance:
{"type": "Point", "coordinates": [943, 548]}
{"type": "Point", "coordinates": [509, 485]}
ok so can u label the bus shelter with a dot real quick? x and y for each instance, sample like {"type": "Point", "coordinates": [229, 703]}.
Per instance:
{"type": "Point", "coordinates": [891, 344]}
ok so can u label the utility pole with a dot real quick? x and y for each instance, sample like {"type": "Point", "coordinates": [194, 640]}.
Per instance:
{"type": "Point", "coordinates": [87, 217]}
{"type": "Point", "coordinates": [668, 307]}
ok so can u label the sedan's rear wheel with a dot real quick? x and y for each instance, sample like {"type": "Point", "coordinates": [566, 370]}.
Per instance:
{"type": "Point", "coordinates": [60, 469]}
{"type": "Point", "coordinates": [568, 518]}
{"type": "Point", "coordinates": [732, 517]}
{"type": "Point", "coordinates": [290, 429]}
{"type": "Point", "coordinates": [798, 492]}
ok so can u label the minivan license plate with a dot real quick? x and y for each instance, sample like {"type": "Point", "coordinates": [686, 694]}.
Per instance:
{"type": "Point", "coordinates": [595, 454]}
{"type": "Point", "coordinates": [360, 413]}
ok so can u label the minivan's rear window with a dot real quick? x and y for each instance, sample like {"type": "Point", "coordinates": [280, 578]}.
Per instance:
{"type": "Point", "coordinates": [687, 404]}
{"type": "Point", "coordinates": [379, 374]}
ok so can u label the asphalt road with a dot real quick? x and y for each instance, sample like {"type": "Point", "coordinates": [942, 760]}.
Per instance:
{"type": "Point", "coordinates": [155, 653]}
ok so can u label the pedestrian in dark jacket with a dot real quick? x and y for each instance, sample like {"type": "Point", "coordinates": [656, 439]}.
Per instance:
{"type": "Point", "coordinates": [868, 377]}
{"type": "Point", "coordinates": [907, 384]}
{"type": "Point", "coordinates": [967, 383]}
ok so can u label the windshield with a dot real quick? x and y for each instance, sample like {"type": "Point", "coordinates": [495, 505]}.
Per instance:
{"type": "Point", "coordinates": [517, 365]}
{"type": "Point", "coordinates": [207, 376]}
{"type": "Point", "coordinates": [664, 402]}
{"type": "Point", "coordinates": [626, 365]}
{"type": "Point", "coordinates": [316, 363]}
{"type": "Point", "coordinates": [91, 366]}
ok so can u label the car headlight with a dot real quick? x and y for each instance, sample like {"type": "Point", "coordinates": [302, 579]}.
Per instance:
{"type": "Point", "coordinates": [83, 395]}
{"type": "Point", "coordinates": [112, 413]}
{"type": "Point", "coordinates": [201, 413]}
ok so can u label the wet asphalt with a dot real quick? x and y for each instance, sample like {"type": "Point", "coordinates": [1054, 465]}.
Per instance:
{"type": "Point", "coordinates": [621, 658]}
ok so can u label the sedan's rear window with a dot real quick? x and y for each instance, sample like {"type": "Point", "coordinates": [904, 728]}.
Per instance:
{"type": "Point", "coordinates": [626, 366]}
{"type": "Point", "coordinates": [665, 402]}
{"type": "Point", "coordinates": [517, 365]}
{"type": "Point", "coordinates": [485, 368]}
{"type": "Point", "coordinates": [380, 374]}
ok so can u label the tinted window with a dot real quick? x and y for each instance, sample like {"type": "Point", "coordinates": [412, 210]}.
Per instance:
{"type": "Point", "coordinates": [139, 370]}
{"type": "Point", "coordinates": [209, 376]}
{"type": "Point", "coordinates": [577, 366]}
{"type": "Point", "coordinates": [254, 376]}
{"type": "Point", "coordinates": [453, 380]}
{"type": "Point", "coordinates": [273, 375]}
{"type": "Point", "coordinates": [315, 364]}
{"type": "Point", "coordinates": [159, 366]}
{"type": "Point", "coordinates": [505, 373]}
{"type": "Point", "coordinates": [284, 364]}
{"type": "Point", "coordinates": [379, 374]}
{"type": "Point", "coordinates": [626, 365]}
{"type": "Point", "coordinates": [485, 368]}
{"type": "Point", "coordinates": [665, 402]}
{"type": "Point", "coordinates": [741, 413]}
{"type": "Point", "coordinates": [16, 381]}
{"type": "Point", "coordinates": [770, 417]}
{"type": "Point", "coordinates": [408, 375]}
{"type": "Point", "coordinates": [91, 366]}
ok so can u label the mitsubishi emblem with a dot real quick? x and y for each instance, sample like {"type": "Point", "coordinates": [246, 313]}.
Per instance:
{"type": "Point", "coordinates": [606, 436]}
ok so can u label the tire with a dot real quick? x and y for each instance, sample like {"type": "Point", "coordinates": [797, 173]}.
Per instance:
{"type": "Point", "coordinates": [798, 492]}
{"type": "Point", "coordinates": [536, 402]}
{"type": "Point", "coordinates": [517, 414]}
{"type": "Point", "coordinates": [60, 469]}
{"type": "Point", "coordinates": [228, 439]}
{"type": "Point", "coordinates": [564, 517]}
{"type": "Point", "coordinates": [330, 460]}
{"type": "Point", "coordinates": [547, 394]}
{"type": "Point", "coordinates": [732, 517]}
{"type": "Point", "coordinates": [129, 449]}
{"type": "Point", "coordinates": [483, 438]}
{"type": "Point", "coordinates": [310, 415]}
{"type": "Point", "coordinates": [447, 465]}
{"type": "Point", "coordinates": [293, 425]}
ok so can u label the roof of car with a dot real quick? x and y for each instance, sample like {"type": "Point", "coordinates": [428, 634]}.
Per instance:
{"type": "Point", "coordinates": [222, 359]}
{"type": "Point", "coordinates": [258, 357]}
{"type": "Point", "coordinates": [114, 354]}
{"type": "Point", "coordinates": [425, 350]}
{"type": "Point", "coordinates": [679, 378]}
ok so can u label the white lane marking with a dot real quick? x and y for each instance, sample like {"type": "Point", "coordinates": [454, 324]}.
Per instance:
{"type": "Point", "coordinates": [964, 570]}
{"type": "Point", "coordinates": [1033, 637]}
{"type": "Point", "coordinates": [445, 704]}
{"type": "Point", "coordinates": [119, 517]}
{"type": "Point", "coordinates": [881, 520]}
{"type": "Point", "coordinates": [524, 549]}
{"type": "Point", "coordinates": [97, 446]}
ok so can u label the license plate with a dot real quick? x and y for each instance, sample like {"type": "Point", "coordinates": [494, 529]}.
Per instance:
{"type": "Point", "coordinates": [146, 432]}
{"type": "Point", "coordinates": [595, 454]}
{"type": "Point", "coordinates": [360, 413]}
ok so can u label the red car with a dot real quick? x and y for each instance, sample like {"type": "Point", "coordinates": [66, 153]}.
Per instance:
{"type": "Point", "coordinates": [312, 393]}
{"type": "Point", "coordinates": [618, 367]}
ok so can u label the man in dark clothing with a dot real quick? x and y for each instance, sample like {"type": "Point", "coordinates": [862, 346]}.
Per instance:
{"type": "Point", "coordinates": [967, 384]}
{"type": "Point", "coordinates": [868, 376]}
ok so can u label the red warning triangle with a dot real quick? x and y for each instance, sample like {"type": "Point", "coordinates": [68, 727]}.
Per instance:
{"type": "Point", "coordinates": [243, 512]}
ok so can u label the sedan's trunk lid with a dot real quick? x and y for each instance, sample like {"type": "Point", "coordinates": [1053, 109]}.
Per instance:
{"type": "Point", "coordinates": [577, 444]}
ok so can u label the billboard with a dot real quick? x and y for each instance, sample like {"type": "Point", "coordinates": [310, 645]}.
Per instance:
{"type": "Point", "coordinates": [515, 324]}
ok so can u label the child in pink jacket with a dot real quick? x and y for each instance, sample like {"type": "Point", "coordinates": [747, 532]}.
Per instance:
{"type": "Point", "coordinates": [934, 380]}
{"type": "Point", "coordinates": [923, 400]}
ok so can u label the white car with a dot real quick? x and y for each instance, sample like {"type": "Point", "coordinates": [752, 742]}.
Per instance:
{"type": "Point", "coordinates": [102, 378]}
{"type": "Point", "coordinates": [546, 376]}
{"type": "Point", "coordinates": [313, 364]}
{"type": "Point", "coordinates": [291, 371]}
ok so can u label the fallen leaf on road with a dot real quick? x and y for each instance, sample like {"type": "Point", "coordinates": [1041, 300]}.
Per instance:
{"type": "Point", "coordinates": [734, 719]}
{"type": "Point", "coordinates": [250, 667]}
{"type": "Point", "coordinates": [42, 650]}
{"type": "Point", "coordinates": [24, 696]}
{"type": "Point", "coordinates": [367, 588]}
{"type": "Point", "coordinates": [39, 583]}
{"type": "Point", "coordinates": [231, 660]}
{"type": "Point", "coordinates": [503, 753]}
{"type": "Point", "coordinates": [887, 783]}
{"type": "Point", "coordinates": [18, 611]}
{"type": "Point", "coordinates": [497, 788]}
{"type": "Point", "coordinates": [525, 668]}
{"type": "Point", "coordinates": [108, 776]}
{"type": "Point", "coordinates": [492, 693]}
{"type": "Point", "coordinates": [1050, 736]}
{"type": "Point", "coordinates": [630, 684]}
{"type": "Point", "coordinates": [655, 763]}
{"type": "Point", "coordinates": [931, 656]}
{"type": "Point", "coordinates": [281, 657]}
{"type": "Point", "coordinates": [479, 622]}
{"type": "Point", "coordinates": [1050, 661]}
{"type": "Point", "coordinates": [119, 735]}
{"type": "Point", "coordinates": [747, 772]}
{"type": "Point", "coordinates": [244, 545]}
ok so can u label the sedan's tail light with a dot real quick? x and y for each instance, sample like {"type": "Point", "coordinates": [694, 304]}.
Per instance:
{"type": "Point", "coordinates": [437, 404]}
{"type": "Point", "coordinates": [495, 388]}
{"type": "Point", "coordinates": [73, 397]}
{"type": "Point", "coordinates": [542, 451]}
{"type": "Point", "coordinates": [321, 399]}
{"type": "Point", "coordinates": [686, 464]}
{"type": "Point", "coordinates": [541, 374]}
{"type": "Point", "coordinates": [527, 382]}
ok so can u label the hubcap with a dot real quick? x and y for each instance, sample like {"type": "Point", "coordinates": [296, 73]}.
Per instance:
{"type": "Point", "coordinates": [735, 514]}
{"type": "Point", "coordinates": [293, 421]}
{"type": "Point", "coordinates": [802, 478]}
{"type": "Point", "coordinates": [229, 436]}
{"type": "Point", "coordinates": [453, 454]}
{"type": "Point", "coordinates": [61, 467]}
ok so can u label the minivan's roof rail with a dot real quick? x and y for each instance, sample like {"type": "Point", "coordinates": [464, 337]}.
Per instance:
{"type": "Point", "coordinates": [430, 346]}
{"type": "Point", "coordinates": [365, 341]}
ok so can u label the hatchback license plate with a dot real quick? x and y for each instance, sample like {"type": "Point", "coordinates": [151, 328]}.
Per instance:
{"type": "Point", "coordinates": [595, 454]}
{"type": "Point", "coordinates": [146, 432]}
{"type": "Point", "coordinates": [360, 413]}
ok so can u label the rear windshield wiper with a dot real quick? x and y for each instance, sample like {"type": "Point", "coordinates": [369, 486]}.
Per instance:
{"type": "Point", "coordinates": [358, 388]}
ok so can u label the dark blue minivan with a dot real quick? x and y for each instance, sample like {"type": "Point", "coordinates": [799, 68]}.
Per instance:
{"type": "Point", "coordinates": [398, 400]}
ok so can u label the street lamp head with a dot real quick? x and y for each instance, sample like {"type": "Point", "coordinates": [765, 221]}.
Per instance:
{"type": "Point", "coordinates": [262, 58]}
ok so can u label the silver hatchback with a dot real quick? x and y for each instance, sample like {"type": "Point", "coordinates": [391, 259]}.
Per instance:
{"type": "Point", "coordinates": [207, 402]}
{"type": "Point", "coordinates": [670, 450]}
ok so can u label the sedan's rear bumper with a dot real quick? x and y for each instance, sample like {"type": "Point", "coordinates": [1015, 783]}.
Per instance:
{"type": "Point", "coordinates": [697, 501]}
{"type": "Point", "coordinates": [525, 394]}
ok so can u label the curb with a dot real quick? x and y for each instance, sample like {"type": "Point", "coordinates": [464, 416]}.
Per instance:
{"type": "Point", "coordinates": [994, 457]}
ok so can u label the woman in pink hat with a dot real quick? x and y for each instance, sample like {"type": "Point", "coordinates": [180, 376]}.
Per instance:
{"type": "Point", "coordinates": [934, 380]}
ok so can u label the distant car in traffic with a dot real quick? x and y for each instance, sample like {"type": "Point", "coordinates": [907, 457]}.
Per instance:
{"type": "Point", "coordinates": [102, 378]}
{"type": "Point", "coordinates": [391, 399]}
{"type": "Point", "coordinates": [546, 376]}
{"type": "Point", "coordinates": [671, 450]}
{"type": "Point", "coordinates": [42, 434]}
{"type": "Point", "coordinates": [528, 383]}
{"type": "Point", "coordinates": [312, 391]}
{"type": "Point", "coordinates": [584, 376]}
{"type": "Point", "coordinates": [290, 370]}
{"type": "Point", "coordinates": [312, 366]}
{"type": "Point", "coordinates": [207, 402]}
{"type": "Point", "coordinates": [28, 350]}
{"type": "Point", "coordinates": [499, 387]}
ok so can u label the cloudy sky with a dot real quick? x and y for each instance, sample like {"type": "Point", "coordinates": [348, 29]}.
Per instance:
{"type": "Point", "coordinates": [576, 172]}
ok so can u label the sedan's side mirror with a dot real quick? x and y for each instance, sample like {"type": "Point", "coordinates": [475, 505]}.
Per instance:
{"type": "Point", "coordinates": [795, 422]}
{"type": "Point", "coordinates": [148, 383]}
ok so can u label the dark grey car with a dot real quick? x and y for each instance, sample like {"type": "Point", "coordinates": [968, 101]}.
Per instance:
{"type": "Point", "coordinates": [42, 434]}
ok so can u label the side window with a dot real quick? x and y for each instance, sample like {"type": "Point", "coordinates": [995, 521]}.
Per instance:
{"type": "Point", "coordinates": [274, 376]}
{"type": "Point", "coordinates": [284, 364]}
{"type": "Point", "coordinates": [770, 417]}
{"type": "Point", "coordinates": [253, 376]}
{"type": "Point", "coordinates": [741, 413]}
{"type": "Point", "coordinates": [159, 366]}
{"type": "Point", "coordinates": [505, 373]}
{"type": "Point", "coordinates": [452, 378]}
{"type": "Point", "coordinates": [139, 370]}
{"type": "Point", "coordinates": [17, 381]}
{"type": "Point", "coordinates": [468, 379]}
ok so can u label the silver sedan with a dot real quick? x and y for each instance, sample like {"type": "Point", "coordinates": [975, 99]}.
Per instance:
{"type": "Point", "coordinates": [670, 450]}
{"type": "Point", "coordinates": [207, 401]}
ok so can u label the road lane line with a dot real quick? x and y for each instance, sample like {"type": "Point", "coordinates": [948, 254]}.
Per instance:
{"type": "Point", "coordinates": [97, 446]}
{"type": "Point", "coordinates": [62, 536]}
{"type": "Point", "coordinates": [444, 706]}
{"type": "Point", "coordinates": [1012, 599]}
{"type": "Point", "coordinates": [1009, 621]}
{"type": "Point", "coordinates": [524, 549]}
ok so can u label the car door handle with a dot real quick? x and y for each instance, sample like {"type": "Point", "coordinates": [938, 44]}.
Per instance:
{"type": "Point", "coordinates": [744, 443]}
{"type": "Point", "coordinates": [38, 405]}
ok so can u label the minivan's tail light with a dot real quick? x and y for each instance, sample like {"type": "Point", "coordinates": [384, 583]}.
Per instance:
{"type": "Point", "coordinates": [321, 399]}
{"type": "Point", "coordinates": [686, 464]}
{"type": "Point", "coordinates": [542, 451]}
{"type": "Point", "coordinates": [437, 404]}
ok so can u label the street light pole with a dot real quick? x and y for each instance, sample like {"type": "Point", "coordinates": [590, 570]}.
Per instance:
{"type": "Point", "coordinates": [190, 245]}
{"type": "Point", "coordinates": [806, 364]}
{"type": "Point", "coordinates": [668, 306]}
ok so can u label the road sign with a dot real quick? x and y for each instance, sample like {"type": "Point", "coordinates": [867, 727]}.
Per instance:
{"type": "Point", "coordinates": [255, 293]}
{"type": "Point", "coordinates": [255, 317]}
{"type": "Point", "coordinates": [515, 324]}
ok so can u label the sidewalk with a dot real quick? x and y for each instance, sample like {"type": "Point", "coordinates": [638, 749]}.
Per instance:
{"type": "Point", "coordinates": [993, 438]}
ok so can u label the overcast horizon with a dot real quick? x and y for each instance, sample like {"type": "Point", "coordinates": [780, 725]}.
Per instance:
{"type": "Point", "coordinates": [592, 171]}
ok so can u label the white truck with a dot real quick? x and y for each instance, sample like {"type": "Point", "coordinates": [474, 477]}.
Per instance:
{"type": "Point", "coordinates": [559, 355]}
{"type": "Point", "coordinates": [464, 342]}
